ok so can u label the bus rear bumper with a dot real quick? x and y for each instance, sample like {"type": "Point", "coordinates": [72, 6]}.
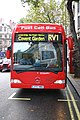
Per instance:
{"type": "Point", "coordinates": [35, 86]}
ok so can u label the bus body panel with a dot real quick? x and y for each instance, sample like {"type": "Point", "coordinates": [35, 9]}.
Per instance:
{"type": "Point", "coordinates": [37, 79]}
{"type": "Point", "coordinates": [42, 80]}
{"type": "Point", "coordinates": [39, 27]}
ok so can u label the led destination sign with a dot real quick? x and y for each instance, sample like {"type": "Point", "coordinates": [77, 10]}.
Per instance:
{"type": "Point", "coordinates": [39, 37]}
{"type": "Point", "coordinates": [31, 37]}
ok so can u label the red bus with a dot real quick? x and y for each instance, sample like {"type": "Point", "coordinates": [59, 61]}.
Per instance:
{"type": "Point", "coordinates": [38, 56]}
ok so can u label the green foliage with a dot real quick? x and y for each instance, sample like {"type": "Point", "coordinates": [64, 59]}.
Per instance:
{"type": "Point", "coordinates": [34, 2]}
{"type": "Point", "coordinates": [46, 12]}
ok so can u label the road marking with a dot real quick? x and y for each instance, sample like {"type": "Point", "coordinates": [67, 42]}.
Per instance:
{"type": "Point", "coordinates": [11, 98]}
{"type": "Point", "coordinates": [70, 108]}
{"type": "Point", "coordinates": [64, 100]}
{"type": "Point", "coordinates": [23, 99]}
{"type": "Point", "coordinates": [74, 104]}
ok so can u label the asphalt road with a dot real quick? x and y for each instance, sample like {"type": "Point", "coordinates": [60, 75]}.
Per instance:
{"type": "Point", "coordinates": [24, 104]}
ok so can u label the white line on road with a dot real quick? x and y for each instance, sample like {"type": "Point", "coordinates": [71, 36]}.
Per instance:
{"type": "Point", "coordinates": [11, 98]}
{"type": "Point", "coordinates": [22, 99]}
{"type": "Point", "coordinates": [64, 100]}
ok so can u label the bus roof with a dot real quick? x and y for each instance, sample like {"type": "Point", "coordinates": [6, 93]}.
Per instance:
{"type": "Point", "coordinates": [38, 27]}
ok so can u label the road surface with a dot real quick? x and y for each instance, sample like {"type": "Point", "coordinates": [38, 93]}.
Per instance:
{"type": "Point", "coordinates": [23, 104]}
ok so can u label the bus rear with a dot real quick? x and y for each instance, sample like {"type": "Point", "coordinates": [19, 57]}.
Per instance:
{"type": "Point", "coordinates": [38, 57]}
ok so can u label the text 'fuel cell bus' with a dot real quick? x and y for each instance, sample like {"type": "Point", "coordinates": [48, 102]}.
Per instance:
{"type": "Point", "coordinates": [38, 56]}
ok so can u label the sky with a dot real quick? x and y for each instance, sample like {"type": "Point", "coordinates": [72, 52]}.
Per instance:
{"type": "Point", "coordinates": [11, 10]}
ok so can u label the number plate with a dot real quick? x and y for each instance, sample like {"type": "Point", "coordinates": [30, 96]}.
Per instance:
{"type": "Point", "coordinates": [38, 86]}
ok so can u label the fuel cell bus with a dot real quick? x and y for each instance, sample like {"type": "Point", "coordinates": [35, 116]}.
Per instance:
{"type": "Point", "coordinates": [38, 54]}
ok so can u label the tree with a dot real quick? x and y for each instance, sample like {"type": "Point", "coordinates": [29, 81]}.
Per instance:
{"type": "Point", "coordinates": [76, 55]}
{"type": "Point", "coordinates": [34, 2]}
{"type": "Point", "coordinates": [46, 12]}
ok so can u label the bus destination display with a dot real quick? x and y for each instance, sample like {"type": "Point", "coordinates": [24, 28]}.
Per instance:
{"type": "Point", "coordinates": [38, 37]}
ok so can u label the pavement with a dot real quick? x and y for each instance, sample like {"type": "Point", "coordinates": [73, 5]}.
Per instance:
{"type": "Point", "coordinates": [75, 82]}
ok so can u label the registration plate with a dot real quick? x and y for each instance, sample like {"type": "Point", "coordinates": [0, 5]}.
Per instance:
{"type": "Point", "coordinates": [38, 86]}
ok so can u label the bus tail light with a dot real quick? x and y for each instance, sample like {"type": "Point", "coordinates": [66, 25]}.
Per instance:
{"type": "Point", "coordinates": [15, 81]}
{"type": "Point", "coordinates": [59, 82]}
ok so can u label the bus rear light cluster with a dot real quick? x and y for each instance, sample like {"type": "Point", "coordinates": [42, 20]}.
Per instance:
{"type": "Point", "coordinates": [60, 82]}
{"type": "Point", "coordinates": [15, 81]}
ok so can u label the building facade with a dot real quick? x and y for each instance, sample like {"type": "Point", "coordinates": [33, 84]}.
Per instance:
{"type": "Point", "coordinates": [5, 34]}
{"type": "Point", "coordinates": [76, 9]}
{"type": "Point", "coordinates": [5, 37]}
